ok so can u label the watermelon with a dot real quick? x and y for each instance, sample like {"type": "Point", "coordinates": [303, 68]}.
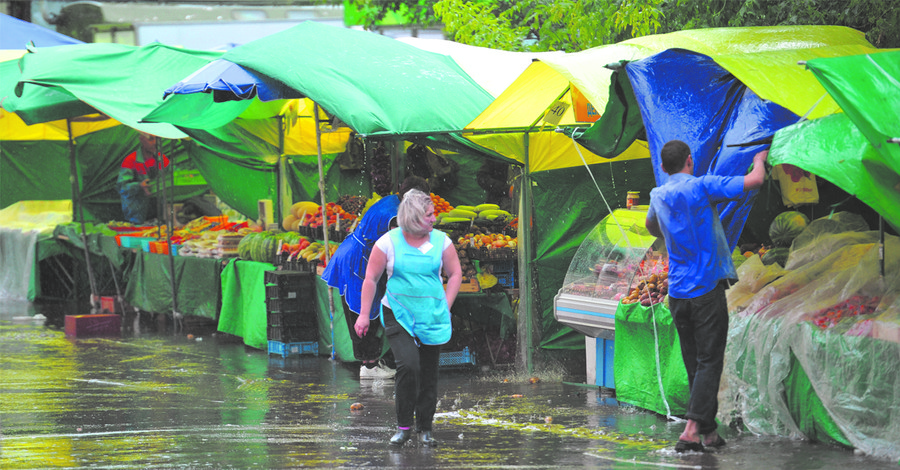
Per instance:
{"type": "Point", "coordinates": [246, 244]}
{"type": "Point", "coordinates": [786, 226]}
{"type": "Point", "coordinates": [776, 255]}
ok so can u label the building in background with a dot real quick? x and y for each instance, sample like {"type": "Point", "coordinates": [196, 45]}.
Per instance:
{"type": "Point", "coordinates": [200, 25]}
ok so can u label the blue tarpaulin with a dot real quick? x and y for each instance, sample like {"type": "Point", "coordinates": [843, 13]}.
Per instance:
{"type": "Point", "coordinates": [15, 34]}
{"type": "Point", "coordinates": [709, 109]}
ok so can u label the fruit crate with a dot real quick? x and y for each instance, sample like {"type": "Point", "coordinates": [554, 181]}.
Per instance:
{"type": "Point", "coordinates": [457, 358]}
{"type": "Point", "coordinates": [505, 271]}
{"type": "Point", "coordinates": [469, 287]}
{"type": "Point", "coordinates": [289, 334]}
{"type": "Point", "coordinates": [299, 265]}
{"type": "Point", "coordinates": [493, 254]}
{"type": "Point", "coordinates": [296, 348]}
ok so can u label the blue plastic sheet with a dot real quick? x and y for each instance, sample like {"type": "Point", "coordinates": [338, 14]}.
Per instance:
{"type": "Point", "coordinates": [687, 96]}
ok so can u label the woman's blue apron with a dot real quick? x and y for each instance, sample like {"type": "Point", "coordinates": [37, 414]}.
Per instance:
{"type": "Point", "coordinates": [415, 291]}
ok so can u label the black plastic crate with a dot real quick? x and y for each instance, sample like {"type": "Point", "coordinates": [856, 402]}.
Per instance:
{"type": "Point", "coordinates": [286, 279]}
{"type": "Point", "coordinates": [298, 292]}
{"type": "Point", "coordinates": [289, 334]}
{"type": "Point", "coordinates": [291, 319]}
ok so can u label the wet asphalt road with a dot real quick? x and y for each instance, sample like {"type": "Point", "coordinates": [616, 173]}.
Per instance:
{"type": "Point", "coordinates": [158, 399]}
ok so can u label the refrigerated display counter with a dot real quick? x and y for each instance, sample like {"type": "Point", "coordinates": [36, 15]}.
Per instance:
{"type": "Point", "coordinates": [604, 270]}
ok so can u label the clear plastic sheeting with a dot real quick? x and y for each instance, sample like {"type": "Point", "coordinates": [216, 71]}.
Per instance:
{"type": "Point", "coordinates": [609, 257]}
{"type": "Point", "coordinates": [22, 225]}
{"type": "Point", "coordinates": [830, 315]}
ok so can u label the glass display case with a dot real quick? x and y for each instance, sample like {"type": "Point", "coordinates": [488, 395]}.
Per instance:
{"type": "Point", "coordinates": [608, 266]}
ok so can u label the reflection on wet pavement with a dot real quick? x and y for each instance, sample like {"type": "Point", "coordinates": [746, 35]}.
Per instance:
{"type": "Point", "coordinates": [156, 399]}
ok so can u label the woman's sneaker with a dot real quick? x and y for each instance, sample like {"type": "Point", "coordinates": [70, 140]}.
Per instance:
{"type": "Point", "coordinates": [377, 372]}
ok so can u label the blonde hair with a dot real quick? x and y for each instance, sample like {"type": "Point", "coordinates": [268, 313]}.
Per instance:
{"type": "Point", "coordinates": [411, 212]}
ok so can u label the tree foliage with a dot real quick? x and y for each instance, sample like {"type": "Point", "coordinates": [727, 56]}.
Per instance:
{"type": "Point", "coordinates": [573, 25]}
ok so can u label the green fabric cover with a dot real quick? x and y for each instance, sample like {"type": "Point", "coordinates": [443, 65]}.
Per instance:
{"type": "Point", "coordinates": [850, 149]}
{"type": "Point", "coordinates": [833, 148]}
{"type": "Point", "coordinates": [343, 345]}
{"type": "Point", "coordinates": [39, 170]}
{"type": "Point", "coordinates": [369, 81]}
{"type": "Point", "coordinates": [620, 122]}
{"type": "Point", "coordinates": [90, 71]}
{"type": "Point", "coordinates": [34, 171]}
{"type": "Point", "coordinates": [637, 379]}
{"type": "Point", "coordinates": [867, 87]}
{"type": "Point", "coordinates": [197, 284]}
{"type": "Point", "coordinates": [243, 311]}
{"type": "Point", "coordinates": [807, 409]}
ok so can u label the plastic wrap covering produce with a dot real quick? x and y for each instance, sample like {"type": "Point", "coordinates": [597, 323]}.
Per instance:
{"type": "Point", "coordinates": [814, 350]}
{"type": "Point", "coordinates": [609, 257]}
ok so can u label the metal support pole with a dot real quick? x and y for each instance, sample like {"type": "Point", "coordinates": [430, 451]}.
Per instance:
{"type": "Point", "coordinates": [76, 193]}
{"type": "Point", "coordinates": [524, 355]}
{"type": "Point", "coordinates": [881, 244]}
{"type": "Point", "coordinates": [324, 219]}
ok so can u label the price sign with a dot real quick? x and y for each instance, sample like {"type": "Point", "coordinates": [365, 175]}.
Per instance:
{"type": "Point", "coordinates": [555, 113]}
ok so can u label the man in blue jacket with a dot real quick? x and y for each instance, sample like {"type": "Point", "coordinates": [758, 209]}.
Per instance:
{"type": "Point", "coordinates": [683, 211]}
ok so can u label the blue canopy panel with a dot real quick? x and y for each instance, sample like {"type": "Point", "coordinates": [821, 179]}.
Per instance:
{"type": "Point", "coordinates": [686, 96]}
{"type": "Point", "coordinates": [228, 81]}
{"type": "Point", "coordinates": [16, 34]}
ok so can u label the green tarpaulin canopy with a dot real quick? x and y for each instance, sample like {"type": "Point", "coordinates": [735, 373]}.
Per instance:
{"type": "Point", "coordinates": [851, 149]}
{"type": "Point", "coordinates": [374, 84]}
{"type": "Point", "coordinates": [123, 82]}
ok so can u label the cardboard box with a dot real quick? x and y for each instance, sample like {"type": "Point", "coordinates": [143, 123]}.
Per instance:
{"type": "Point", "coordinates": [101, 324]}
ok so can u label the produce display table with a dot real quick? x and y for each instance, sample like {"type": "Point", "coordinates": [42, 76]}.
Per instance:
{"type": "Point", "coordinates": [243, 310]}
{"type": "Point", "coordinates": [197, 284]}
{"type": "Point", "coordinates": [636, 376]}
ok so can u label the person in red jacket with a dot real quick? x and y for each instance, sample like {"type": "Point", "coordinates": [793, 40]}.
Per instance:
{"type": "Point", "coordinates": [133, 182]}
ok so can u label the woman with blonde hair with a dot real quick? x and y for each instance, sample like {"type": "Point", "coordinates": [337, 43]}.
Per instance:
{"type": "Point", "coordinates": [415, 309]}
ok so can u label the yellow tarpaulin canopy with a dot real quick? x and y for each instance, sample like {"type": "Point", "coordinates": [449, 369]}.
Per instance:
{"type": "Point", "coordinates": [763, 58]}
{"type": "Point", "coordinates": [300, 139]}
{"type": "Point", "coordinates": [12, 128]}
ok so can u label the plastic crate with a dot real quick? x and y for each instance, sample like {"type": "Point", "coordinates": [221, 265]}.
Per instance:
{"type": "Point", "coordinates": [493, 254]}
{"type": "Point", "coordinates": [289, 334]}
{"type": "Point", "coordinates": [298, 301]}
{"type": "Point", "coordinates": [457, 358]}
{"type": "Point", "coordinates": [300, 318]}
{"type": "Point", "coordinates": [298, 348]}
{"type": "Point", "coordinates": [132, 241]}
{"type": "Point", "coordinates": [109, 305]}
{"type": "Point", "coordinates": [299, 265]}
{"type": "Point", "coordinates": [505, 271]}
{"type": "Point", "coordinates": [289, 280]}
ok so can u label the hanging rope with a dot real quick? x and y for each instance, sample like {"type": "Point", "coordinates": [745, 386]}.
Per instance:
{"type": "Point", "coordinates": [662, 390]}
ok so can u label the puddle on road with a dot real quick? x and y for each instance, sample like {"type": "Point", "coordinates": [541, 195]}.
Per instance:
{"type": "Point", "coordinates": [161, 400]}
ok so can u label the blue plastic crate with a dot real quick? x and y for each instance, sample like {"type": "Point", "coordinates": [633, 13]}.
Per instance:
{"type": "Point", "coordinates": [505, 272]}
{"type": "Point", "coordinates": [287, 349]}
{"type": "Point", "coordinates": [457, 358]}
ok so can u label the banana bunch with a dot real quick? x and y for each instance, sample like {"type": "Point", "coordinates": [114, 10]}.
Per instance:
{"type": "Point", "coordinates": [492, 213]}
{"type": "Point", "coordinates": [481, 212]}
{"type": "Point", "coordinates": [311, 252]}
